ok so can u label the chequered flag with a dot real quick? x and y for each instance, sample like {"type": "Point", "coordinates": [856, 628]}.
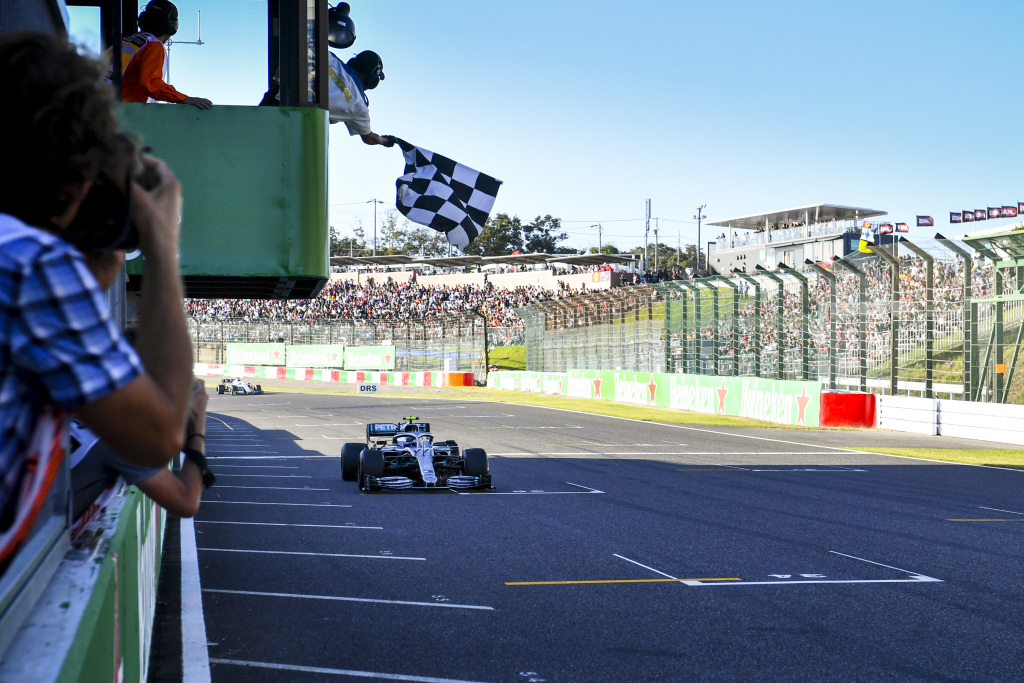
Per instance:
{"type": "Point", "coordinates": [444, 195]}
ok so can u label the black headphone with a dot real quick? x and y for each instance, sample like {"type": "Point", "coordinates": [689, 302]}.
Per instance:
{"type": "Point", "coordinates": [159, 17]}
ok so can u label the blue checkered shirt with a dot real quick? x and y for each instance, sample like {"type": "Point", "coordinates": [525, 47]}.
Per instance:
{"type": "Point", "coordinates": [58, 343]}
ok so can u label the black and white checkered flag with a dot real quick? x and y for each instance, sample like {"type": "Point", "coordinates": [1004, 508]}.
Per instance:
{"type": "Point", "coordinates": [445, 195]}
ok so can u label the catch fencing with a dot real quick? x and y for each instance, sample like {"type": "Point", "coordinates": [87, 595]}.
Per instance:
{"type": "Point", "coordinates": [905, 319]}
{"type": "Point", "coordinates": [450, 344]}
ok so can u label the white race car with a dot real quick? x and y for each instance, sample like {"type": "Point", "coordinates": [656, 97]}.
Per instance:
{"type": "Point", "coordinates": [237, 386]}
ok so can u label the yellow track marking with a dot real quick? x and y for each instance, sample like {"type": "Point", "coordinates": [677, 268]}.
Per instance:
{"type": "Point", "coordinates": [985, 520]}
{"type": "Point", "coordinates": [566, 583]}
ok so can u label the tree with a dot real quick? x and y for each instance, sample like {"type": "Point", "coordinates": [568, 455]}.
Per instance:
{"type": "Point", "coordinates": [605, 249]}
{"type": "Point", "coordinates": [501, 236]}
{"type": "Point", "coordinates": [541, 235]}
{"type": "Point", "coordinates": [346, 246]}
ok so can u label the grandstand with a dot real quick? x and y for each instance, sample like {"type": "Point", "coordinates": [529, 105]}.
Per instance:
{"type": "Point", "coordinates": [818, 232]}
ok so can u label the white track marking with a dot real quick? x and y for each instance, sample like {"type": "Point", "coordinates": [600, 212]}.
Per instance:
{"type": "Point", "coordinates": [195, 655]}
{"type": "Point", "coordinates": [923, 579]}
{"type": "Point", "coordinates": [333, 424]}
{"type": "Point", "coordinates": [268, 476]}
{"type": "Point", "coordinates": [214, 456]}
{"type": "Point", "coordinates": [287, 552]}
{"type": "Point", "coordinates": [314, 526]}
{"type": "Point", "coordinates": [260, 467]}
{"type": "Point", "coordinates": [651, 569]}
{"type": "Point", "coordinates": [584, 487]}
{"type": "Point", "coordinates": [273, 488]}
{"type": "Point", "coordinates": [340, 598]}
{"type": "Point", "coordinates": [1009, 512]}
{"type": "Point", "coordinates": [338, 672]}
{"type": "Point", "coordinates": [221, 421]}
{"type": "Point", "coordinates": [252, 502]}
{"type": "Point", "coordinates": [914, 574]}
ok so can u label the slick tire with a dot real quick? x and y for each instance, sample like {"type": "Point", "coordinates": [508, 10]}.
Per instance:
{"type": "Point", "coordinates": [350, 461]}
{"type": "Point", "coordinates": [371, 464]}
{"type": "Point", "coordinates": [474, 462]}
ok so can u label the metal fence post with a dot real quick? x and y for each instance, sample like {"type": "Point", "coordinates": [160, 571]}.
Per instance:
{"type": "Point", "coordinates": [757, 320]}
{"type": "Point", "coordinates": [833, 314]}
{"type": "Point", "coordinates": [862, 318]}
{"type": "Point", "coordinates": [929, 313]}
{"type": "Point", "coordinates": [805, 314]}
{"type": "Point", "coordinates": [894, 314]}
{"type": "Point", "coordinates": [779, 317]}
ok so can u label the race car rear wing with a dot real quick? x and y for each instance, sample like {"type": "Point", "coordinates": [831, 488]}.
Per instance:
{"type": "Point", "coordinates": [385, 430]}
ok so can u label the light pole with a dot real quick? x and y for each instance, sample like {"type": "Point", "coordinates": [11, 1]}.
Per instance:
{"type": "Point", "coordinates": [598, 226]}
{"type": "Point", "coordinates": [699, 217]}
{"type": "Point", "coordinates": [375, 202]}
{"type": "Point", "coordinates": [655, 245]}
{"type": "Point", "coordinates": [647, 229]}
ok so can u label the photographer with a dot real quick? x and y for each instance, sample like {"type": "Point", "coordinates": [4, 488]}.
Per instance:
{"type": "Point", "coordinates": [65, 175]}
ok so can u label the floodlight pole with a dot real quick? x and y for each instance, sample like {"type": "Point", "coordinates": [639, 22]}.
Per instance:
{"type": "Point", "coordinates": [699, 217]}
{"type": "Point", "coordinates": [599, 245]}
{"type": "Point", "coordinates": [655, 245]}
{"type": "Point", "coordinates": [647, 229]}
{"type": "Point", "coordinates": [375, 202]}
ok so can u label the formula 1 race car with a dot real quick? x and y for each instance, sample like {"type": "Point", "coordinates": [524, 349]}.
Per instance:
{"type": "Point", "coordinates": [235, 386]}
{"type": "Point", "coordinates": [406, 456]}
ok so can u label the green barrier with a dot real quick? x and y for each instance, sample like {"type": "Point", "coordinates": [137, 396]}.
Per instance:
{"type": "Point", "coordinates": [369, 357]}
{"type": "Point", "coordinates": [254, 354]}
{"type": "Point", "coordinates": [116, 629]}
{"type": "Point", "coordinates": [789, 402]}
{"type": "Point", "coordinates": [315, 355]}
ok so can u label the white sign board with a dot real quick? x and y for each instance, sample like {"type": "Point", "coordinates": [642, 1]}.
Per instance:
{"type": "Point", "coordinates": [369, 388]}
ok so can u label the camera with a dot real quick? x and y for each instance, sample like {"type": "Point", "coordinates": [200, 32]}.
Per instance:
{"type": "Point", "coordinates": [103, 222]}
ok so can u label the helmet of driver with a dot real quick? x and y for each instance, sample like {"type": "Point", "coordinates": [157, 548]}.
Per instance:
{"type": "Point", "coordinates": [341, 30]}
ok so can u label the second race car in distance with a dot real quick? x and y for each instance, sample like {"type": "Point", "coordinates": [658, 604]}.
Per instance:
{"type": "Point", "coordinates": [405, 455]}
{"type": "Point", "coordinates": [236, 386]}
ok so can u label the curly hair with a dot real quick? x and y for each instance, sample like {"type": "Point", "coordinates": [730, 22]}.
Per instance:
{"type": "Point", "coordinates": [57, 126]}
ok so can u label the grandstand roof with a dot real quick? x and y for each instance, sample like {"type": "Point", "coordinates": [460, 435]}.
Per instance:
{"type": "Point", "coordinates": [1005, 243]}
{"type": "Point", "coordinates": [815, 213]}
{"type": "Point", "coordinates": [593, 259]}
{"type": "Point", "coordinates": [464, 261]}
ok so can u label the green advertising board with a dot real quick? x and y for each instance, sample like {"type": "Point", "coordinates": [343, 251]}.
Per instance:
{"type": "Point", "coordinates": [369, 357]}
{"type": "Point", "coordinates": [254, 354]}
{"type": "Point", "coordinates": [315, 356]}
{"type": "Point", "coordinates": [770, 400]}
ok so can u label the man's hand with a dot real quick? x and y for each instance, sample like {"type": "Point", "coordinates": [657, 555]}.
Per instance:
{"type": "Point", "coordinates": [374, 139]}
{"type": "Point", "coordinates": [200, 102]}
{"type": "Point", "coordinates": [157, 212]}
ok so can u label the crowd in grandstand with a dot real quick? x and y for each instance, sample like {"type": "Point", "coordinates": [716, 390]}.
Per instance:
{"type": "Point", "coordinates": [390, 300]}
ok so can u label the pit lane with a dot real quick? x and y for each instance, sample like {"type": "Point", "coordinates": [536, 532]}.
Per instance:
{"type": "Point", "coordinates": [610, 550]}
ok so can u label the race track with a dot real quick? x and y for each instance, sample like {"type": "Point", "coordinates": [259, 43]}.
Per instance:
{"type": "Point", "coordinates": [611, 550]}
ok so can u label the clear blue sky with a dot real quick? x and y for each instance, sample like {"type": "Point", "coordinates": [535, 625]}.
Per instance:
{"type": "Point", "coordinates": [587, 109]}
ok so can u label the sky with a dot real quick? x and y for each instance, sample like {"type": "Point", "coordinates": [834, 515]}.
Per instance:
{"type": "Point", "coordinates": [588, 109]}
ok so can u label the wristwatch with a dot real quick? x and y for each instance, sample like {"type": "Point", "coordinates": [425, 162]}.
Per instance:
{"type": "Point", "coordinates": [200, 460]}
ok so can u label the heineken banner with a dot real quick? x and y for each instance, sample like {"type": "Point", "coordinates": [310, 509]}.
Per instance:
{"type": "Point", "coordinates": [316, 356]}
{"type": "Point", "coordinates": [255, 354]}
{"type": "Point", "coordinates": [771, 400]}
{"type": "Point", "coordinates": [369, 357]}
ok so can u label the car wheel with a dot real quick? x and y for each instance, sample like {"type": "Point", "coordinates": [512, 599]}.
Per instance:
{"type": "Point", "coordinates": [220, 388]}
{"type": "Point", "coordinates": [474, 462]}
{"type": "Point", "coordinates": [259, 389]}
{"type": "Point", "coordinates": [371, 464]}
{"type": "Point", "coordinates": [350, 461]}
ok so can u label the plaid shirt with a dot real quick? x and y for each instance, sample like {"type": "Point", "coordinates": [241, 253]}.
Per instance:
{"type": "Point", "coordinates": [58, 343]}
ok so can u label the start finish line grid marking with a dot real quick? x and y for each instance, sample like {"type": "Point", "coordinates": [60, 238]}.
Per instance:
{"type": "Point", "coordinates": [781, 579]}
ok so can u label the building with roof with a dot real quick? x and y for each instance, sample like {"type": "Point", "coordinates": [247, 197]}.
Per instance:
{"type": "Point", "coordinates": [818, 232]}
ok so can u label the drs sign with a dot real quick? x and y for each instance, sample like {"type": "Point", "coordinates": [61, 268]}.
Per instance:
{"type": "Point", "coordinates": [368, 388]}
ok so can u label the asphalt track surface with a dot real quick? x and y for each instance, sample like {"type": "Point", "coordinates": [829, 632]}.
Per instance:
{"type": "Point", "coordinates": [610, 550]}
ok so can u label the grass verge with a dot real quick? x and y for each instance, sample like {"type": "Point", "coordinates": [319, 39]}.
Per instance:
{"type": "Point", "coordinates": [993, 457]}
